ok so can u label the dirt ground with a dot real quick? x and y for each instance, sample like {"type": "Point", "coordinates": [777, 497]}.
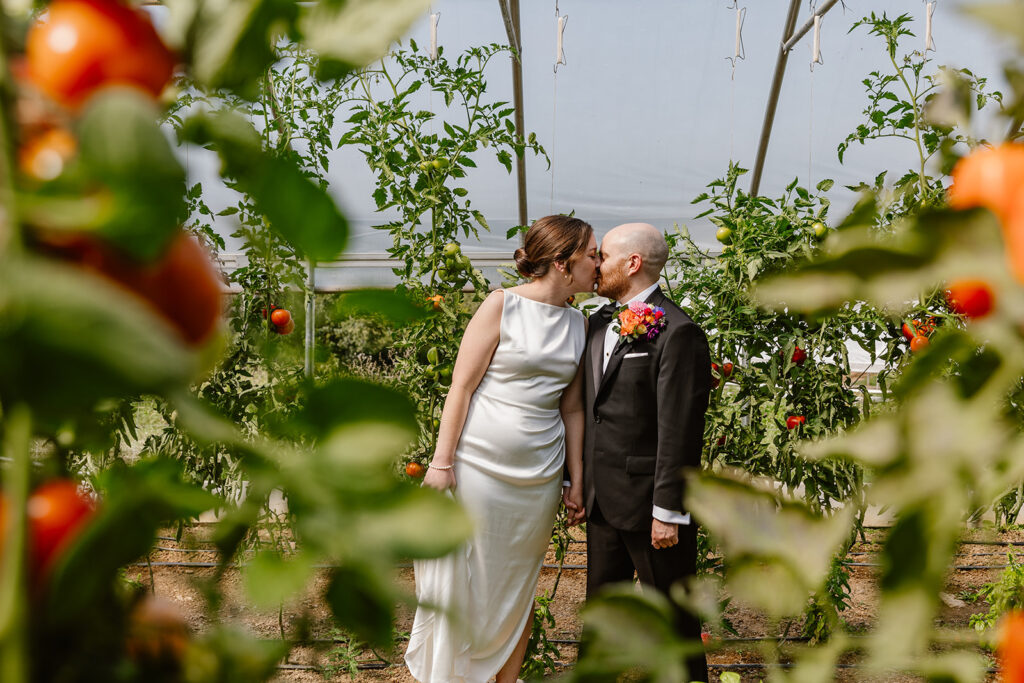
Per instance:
{"type": "Point", "coordinates": [179, 584]}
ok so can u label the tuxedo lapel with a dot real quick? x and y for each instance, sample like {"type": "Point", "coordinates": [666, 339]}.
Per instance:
{"type": "Point", "coordinates": [597, 354]}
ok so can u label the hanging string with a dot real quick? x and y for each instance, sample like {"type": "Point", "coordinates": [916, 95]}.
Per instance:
{"type": "Point", "coordinates": [559, 59]}
{"type": "Point", "coordinates": [739, 52]}
{"type": "Point", "coordinates": [929, 44]}
{"type": "Point", "coordinates": [815, 59]}
{"type": "Point", "coordinates": [434, 18]}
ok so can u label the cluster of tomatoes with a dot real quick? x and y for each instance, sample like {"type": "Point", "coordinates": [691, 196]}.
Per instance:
{"type": "Point", "coordinates": [725, 371]}
{"type": "Point", "coordinates": [74, 50]}
{"type": "Point", "coordinates": [56, 513]}
{"type": "Point", "coordinates": [281, 320]}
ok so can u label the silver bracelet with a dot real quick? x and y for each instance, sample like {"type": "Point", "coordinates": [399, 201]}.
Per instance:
{"type": "Point", "coordinates": [439, 467]}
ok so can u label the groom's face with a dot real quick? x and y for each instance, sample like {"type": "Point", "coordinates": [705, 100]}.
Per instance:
{"type": "Point", "coordinates": [612, 281]}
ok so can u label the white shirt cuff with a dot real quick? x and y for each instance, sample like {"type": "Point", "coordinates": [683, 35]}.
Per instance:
{"type": "Point", "coordinates": [566, 483]}
{"type": "Point", "coordinates": [670, 516]}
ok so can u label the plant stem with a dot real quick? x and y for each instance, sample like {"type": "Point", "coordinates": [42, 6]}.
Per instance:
{"type": "Point", "coordinates": [8, 205]}
{"type": "Point", "coordinates": [14, 663]}
{"type": "Point", "coordinates": [917, 125]}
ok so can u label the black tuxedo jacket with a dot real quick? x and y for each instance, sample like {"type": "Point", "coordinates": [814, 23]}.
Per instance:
{"type": "Point", "coordinates": [644, 418]}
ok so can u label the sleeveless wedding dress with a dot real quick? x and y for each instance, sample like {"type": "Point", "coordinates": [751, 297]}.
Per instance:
{"type": "Point", "coordinates": [475, 602]}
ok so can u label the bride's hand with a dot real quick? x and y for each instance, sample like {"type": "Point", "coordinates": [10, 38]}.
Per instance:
{"type": "Point", "coordinates": [572, 496]}
{"type": "Point", "coordinates": [442, 480]}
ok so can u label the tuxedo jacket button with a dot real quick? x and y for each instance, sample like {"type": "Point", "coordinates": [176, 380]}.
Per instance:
{"type": "Point", "coordinates": [597, 419]}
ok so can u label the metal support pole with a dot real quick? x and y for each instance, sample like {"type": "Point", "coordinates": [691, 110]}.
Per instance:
{"type": "Point", "coordinates": [773, 97]}
{"type": "Point", "coordinates": [808, 25]}
{"type": "Point", "coordinates": [310, 316]}
{"type": "Point", "coordinates": [510, 15]}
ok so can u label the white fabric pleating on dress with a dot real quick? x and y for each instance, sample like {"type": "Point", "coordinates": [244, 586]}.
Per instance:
{"type": "Point", "coordinates": [474, 603]}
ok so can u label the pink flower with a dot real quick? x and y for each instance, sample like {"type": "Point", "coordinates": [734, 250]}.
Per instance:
{"type": "Point", "coordinates": [638, 307]}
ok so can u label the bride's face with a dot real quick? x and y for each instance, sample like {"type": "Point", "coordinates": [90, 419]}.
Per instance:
{"type": "Point", "coordinates": [584, 268]}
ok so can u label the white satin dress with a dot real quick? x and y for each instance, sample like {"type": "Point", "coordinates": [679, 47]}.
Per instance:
{"type": "Point", "coordinates": [474, 603]}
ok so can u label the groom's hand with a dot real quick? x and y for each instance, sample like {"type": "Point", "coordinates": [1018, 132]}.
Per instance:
{"type": "Point", "coordinates": [664, 535]}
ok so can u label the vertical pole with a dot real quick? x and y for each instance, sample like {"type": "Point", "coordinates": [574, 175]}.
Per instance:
{"type": "Point", "coordinates": [310, 316]}
{"type": "Point", "coordinates": [773, 96]}
{"type": "Point", "coordinates": [510, 14]}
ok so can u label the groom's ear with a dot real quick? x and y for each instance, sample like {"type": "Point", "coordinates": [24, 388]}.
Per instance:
{"type": "Point", "coordinates": [635, 264]}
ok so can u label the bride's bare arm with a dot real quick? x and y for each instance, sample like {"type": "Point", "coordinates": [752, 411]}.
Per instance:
{"type": "Point", "coordinates": [475, 353]}
{"type": "Point", "coordinates": [571, 408]}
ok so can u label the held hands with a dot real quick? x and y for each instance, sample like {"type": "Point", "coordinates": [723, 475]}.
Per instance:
{"type": "Point", "coordinates": [442, 480]}
{"type": "Point", "coordinates": [664, 535]}
{"type": "Point", "coordinates": [572, 496]}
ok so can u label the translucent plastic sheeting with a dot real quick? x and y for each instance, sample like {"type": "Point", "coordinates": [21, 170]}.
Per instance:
{"type": "Point", "coordinates": [646, 113]}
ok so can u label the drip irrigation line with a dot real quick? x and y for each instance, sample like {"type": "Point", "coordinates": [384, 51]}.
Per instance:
{"type": "Point", "coordinates": [362, 666]}
{"type": "Point", "coordinates": [961, 567]}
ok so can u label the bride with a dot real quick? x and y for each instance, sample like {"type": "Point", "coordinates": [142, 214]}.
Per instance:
{"type": "Point", "coordinates": [512, 419]}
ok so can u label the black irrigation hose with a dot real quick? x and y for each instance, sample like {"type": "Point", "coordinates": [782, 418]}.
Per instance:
{"type": "Point", "coordinates": [960, 567]}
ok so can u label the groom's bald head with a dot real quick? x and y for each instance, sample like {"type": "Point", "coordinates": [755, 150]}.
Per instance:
{"type": "Point", "coordinates": [642, 239]}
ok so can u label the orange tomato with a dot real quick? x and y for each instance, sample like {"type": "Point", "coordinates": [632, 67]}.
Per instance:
{"type": "Point", "coordinates": [919, 343]}
{"type": "Point", "coordinates": [1011, 647]}
{"type": "Point", "coordinates": [280, 317]}
{"type": "Point", "coordinates": [45, 155]}
{"type": "Point", "coordinates": [993, 177]}
{"type": "Point", "coordinates": [414, 469]}
{"type": "Point", "coordinates": [436, 299]}
{"type": "Point", "coordinates": [79, 46]}
{"type": "Point", "coordinates": [287, 328]}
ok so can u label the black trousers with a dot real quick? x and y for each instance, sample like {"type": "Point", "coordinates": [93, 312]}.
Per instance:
{"type": "Point", "coordinates": [613, 555]}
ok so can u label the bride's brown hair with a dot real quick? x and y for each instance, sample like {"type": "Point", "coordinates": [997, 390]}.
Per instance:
{"type": "Point", "coordinates": [550, 239]}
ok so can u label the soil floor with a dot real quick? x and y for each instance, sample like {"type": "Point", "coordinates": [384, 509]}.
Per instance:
{"type": "Point", "coordinates": [330, 659]}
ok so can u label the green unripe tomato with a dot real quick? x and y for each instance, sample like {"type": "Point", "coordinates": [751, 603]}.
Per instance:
{"type": "Point", "coordinates": [425, 166]}
{"type": "Point", "coordinates": [724, 235]}
{"type": "Point", "coordinates": [819, 229]}
{"type": "Point", "coordinates": [432, 355]}
{"type": "Point", "coordinates": [445, 372]}
{"type": "Point", "coordinates": [436, 163]}
{"type": "Point", "coordinates": [451, 249]}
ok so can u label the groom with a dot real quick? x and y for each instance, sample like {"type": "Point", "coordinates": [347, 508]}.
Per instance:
{"type": "Point", "coordinates": [646, 394]}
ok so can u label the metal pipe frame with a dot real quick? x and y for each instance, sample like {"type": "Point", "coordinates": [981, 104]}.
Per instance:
{"type": "Point", "coordinates": [773, 97]}
{"type": "Point", "coordinates": [510, 15]}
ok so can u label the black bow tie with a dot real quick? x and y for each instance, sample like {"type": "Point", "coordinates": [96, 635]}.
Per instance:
{"type": "Point", "coordinates": [603, 315]}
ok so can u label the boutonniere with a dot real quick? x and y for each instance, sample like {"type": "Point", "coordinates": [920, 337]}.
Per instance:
{"type": "Point", "coordinates": [639, 319]}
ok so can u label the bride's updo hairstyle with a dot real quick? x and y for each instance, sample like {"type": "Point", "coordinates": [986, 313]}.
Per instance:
{"type": "Point", "coordinates": [550, 239]}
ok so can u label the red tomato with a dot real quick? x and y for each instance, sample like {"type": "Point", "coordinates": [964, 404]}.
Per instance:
{"type": "Point", "coordinates": [79, 46]}
{"type": "Point", "coordinates": [910, 330]}
{"type": "Point", "coordinates": [414, 469]}
{"type": "Point", "coordinates": [799, 356]}
{"type": "Point", "coordinates": [714, 367]}
{"type": "Point", "coordinates": [971, 298]}
{"type": "Point", "coordinates": [918, 343]}
{"type": "Point", "coordinates": [794, 421]}
{"type": "Point", "coordinates": [56, 513]}
{"type": "Point", "coordinates": [726, 369]}
{"type": "Point", "coordinates": [281, 317]}
{"type": "Point", "coordinates": [183, 285]}
{"type": "Point", "coordinates": [287, 328]}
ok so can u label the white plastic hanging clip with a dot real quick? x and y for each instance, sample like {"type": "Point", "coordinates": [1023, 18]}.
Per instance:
{"type": "Point", "coordinates": [929, 44]}
{"type": "Point", "coordinates": [434, 18]}
{"type": "Point", "coordinates": [559, 47]}
{"type": "Point", "coordinates": [738, 51]}
{"type": "Point", "coordinates": [816, 45]}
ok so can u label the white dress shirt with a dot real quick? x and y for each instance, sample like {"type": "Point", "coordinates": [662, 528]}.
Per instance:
{"type": "Point", "coordinates": [611, 338]}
